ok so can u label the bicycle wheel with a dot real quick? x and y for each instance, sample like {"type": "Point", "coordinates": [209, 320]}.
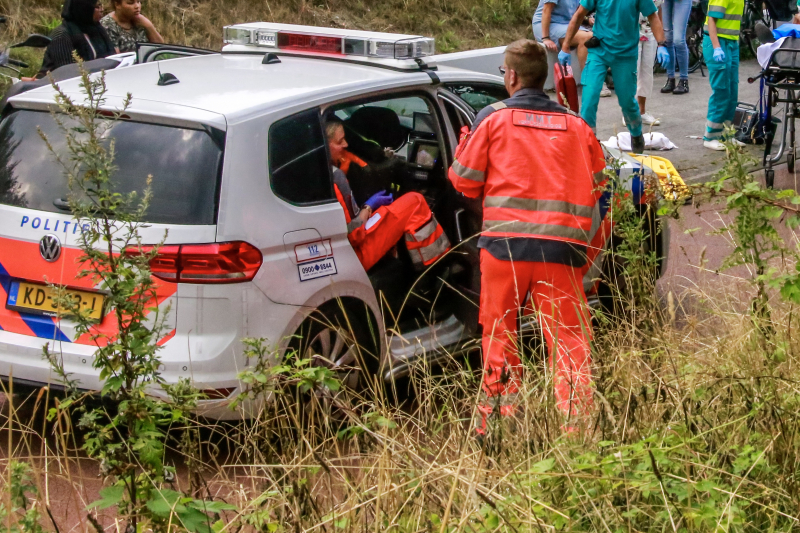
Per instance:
{"type": "Point", "coordinates": [753, 13]}
{"type": "Point", "coordinates": [694, 41]}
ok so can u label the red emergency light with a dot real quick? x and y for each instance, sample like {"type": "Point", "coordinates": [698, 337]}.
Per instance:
{"type": "Point", "coordinates": [331, 41]}
{"type": "Point", "coordinates": [300, 42]}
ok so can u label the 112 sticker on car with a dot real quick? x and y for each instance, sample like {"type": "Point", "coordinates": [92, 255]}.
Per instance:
{"type": "Point", "coordinates": [317, 269]}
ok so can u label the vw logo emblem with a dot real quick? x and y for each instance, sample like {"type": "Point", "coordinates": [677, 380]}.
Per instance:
{"type": "Point", "coordinates": [50, 248]}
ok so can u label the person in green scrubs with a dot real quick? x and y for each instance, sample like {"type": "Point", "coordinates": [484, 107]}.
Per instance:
{"type": "Point", "coordinates": [616, 26]}
{"type": "Point", "coordinates": [721, 54]}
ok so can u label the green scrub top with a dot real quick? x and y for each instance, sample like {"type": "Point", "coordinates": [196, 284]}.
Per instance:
{"type": "Point", "coordinates": [616, 24]}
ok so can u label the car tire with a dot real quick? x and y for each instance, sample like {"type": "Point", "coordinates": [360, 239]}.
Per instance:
{"type": "Point", "coordinates": [338, 336]}
{"type": "Point", "coordinates": [613, 282]}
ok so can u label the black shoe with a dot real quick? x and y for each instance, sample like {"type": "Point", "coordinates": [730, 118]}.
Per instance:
{"type": "Point", "coordinates": [669, 86]}
{"type": "Point", "coordinates": [609, 79]}
{"type": "Point", "coordinates": [637, 144]}
{"type": "Point", "coordinates": [682, 88]}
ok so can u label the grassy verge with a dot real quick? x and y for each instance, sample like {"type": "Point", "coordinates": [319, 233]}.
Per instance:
{"type": "Point", "coordinates": [457, 25]}
{"type": "Point", "coordinates": [694, 430]}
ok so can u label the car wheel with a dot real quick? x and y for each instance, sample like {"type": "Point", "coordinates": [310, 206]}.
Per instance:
{"type": "Point", "coordinates": [613, 281]}
{"type": "Point", "coordinates": [337, 336]}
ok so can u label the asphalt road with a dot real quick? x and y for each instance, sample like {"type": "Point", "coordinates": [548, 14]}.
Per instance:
{"type": "Point", "coordinates": [683, 116]}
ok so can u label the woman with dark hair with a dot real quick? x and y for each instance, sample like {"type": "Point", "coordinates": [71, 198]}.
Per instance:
{"type": "Point", "coordinates": [126, 26]}
{"type": "Point", "coordinates": [80, 31]}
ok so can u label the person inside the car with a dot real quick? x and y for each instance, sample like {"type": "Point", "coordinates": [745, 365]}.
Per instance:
{"type": "Point", "coordinates": [126, 26]}
{"type": "Point", "coordinates": [376, 227]}
{"type": "Point", "coordinates": [80, 31]}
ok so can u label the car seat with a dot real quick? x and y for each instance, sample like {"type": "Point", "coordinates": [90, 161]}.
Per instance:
{"type": "Point", "coordinates": [380, 125]}
{"type": "Point", "coordinates": [368, 131]}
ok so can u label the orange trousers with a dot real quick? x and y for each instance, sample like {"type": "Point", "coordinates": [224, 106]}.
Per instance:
{"type": "Point", "coordinates": [556, 295]}
{"type": "Point", "coordinates": [409, 215]}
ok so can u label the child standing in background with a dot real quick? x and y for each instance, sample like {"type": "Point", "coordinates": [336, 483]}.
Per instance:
{"type": "Point", "coordinates": [647, 57]}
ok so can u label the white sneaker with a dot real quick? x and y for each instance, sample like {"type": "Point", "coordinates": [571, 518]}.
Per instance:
{"type": "Point", "coordinates": [650, 120]}
{"type": "Point", "coordinates": [737, 142]}
{"type": "Point", "coordinates": [714, 145]}
{"type": "Point", "coordinates": [647, 120]}
{"type": "Point", "coordinates": [605, 92]}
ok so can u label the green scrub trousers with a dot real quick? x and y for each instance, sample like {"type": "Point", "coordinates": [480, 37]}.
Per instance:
{"type": "Point", "coordinates": [623, 70]}
{"type": "Point", "coordinates": [724, 78]}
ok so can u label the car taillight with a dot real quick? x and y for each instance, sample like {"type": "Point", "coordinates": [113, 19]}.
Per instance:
{"type": "Point", "coordinates": [224, 262]}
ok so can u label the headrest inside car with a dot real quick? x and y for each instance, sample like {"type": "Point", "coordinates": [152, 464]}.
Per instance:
{"type": "Point", "coordinates": [379, 124]}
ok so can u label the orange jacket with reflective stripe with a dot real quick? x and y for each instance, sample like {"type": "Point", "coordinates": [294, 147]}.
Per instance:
{"type": "Point", "coordinates": [347, 159]}
{"type": "Point", "coordinates": [537, 166]}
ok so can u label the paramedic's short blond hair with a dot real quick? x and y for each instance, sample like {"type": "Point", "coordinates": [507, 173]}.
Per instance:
{"type": "Point", "coordinates": [331, 126]}
{"type": "Point", "coordinates": [529, 60]}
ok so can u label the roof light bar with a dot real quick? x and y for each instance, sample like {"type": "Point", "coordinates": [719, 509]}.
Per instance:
{"type": "Point", "coordinates": [308, 39]}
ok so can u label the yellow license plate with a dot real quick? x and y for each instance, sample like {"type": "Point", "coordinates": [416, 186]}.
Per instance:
{"type": "Point", "coordinates": [39, 299]}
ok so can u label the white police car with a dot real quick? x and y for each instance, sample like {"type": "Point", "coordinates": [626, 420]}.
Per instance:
{"type": "Point", "coordinates": [257, 242]}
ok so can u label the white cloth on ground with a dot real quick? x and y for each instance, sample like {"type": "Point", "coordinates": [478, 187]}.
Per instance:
{"type": "Point", "coordinates": [653, 141]}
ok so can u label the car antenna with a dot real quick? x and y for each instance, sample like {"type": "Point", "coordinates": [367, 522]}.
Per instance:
{"type": "Point", "coordinates": [167, 78]}
{"type": "Point", "coordinates": [270, 59]}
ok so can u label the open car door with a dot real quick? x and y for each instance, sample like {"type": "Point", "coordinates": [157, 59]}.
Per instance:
{"type": "Point", "coordinates": [149, 52]}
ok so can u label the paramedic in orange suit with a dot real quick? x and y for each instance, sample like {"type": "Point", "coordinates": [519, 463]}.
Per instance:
{"type": "Point", "coordinates": [537, 167]}
{"type": "Point", "coordinates": [374, 228]}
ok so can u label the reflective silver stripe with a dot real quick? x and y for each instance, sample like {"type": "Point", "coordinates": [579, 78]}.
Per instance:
{"type": "Point", "coordinates": [435, 249]}
{"type": "Point", "coordinates": [528, 228]}
{"type": "Point", "coordinates": [716, 9]}
{"type": "Point", "coordinates": [468, 173]}
{"type": "Point", "coordinates": [553, 206]}
{"type": "Point", "coordinates": [714, 125]}
{"type": "Point", "coordinates": [600, 177]}
{"type": "Point", "coordinates": [424, 232]}
{"type": "Point", "coordinates": [726, 31]}
{"type": "Point", "coordinates": [498, 106]}
{"type": "Point", "coordinates": [732, 17]}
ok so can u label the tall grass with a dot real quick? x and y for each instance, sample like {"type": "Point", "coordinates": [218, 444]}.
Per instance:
{"type": "Point", "coordinates": [457, 25]}
{"type": "Point", "coordinates": [695, 429]}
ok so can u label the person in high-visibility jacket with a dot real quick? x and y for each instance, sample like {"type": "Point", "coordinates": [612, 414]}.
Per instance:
{"type": "Point", "coordinates": [538, 168]}
{"type": "Point", "coordinates": [721, 54]}
{"type": "Point", "coordinates": [376, 227]}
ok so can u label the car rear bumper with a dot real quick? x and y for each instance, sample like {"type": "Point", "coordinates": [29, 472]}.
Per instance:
{"type": "Point", "coordinates": [202, 342]}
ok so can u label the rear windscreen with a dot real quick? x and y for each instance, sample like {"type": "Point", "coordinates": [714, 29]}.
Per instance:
{"type": "Point", "coordinates": [185, 165]}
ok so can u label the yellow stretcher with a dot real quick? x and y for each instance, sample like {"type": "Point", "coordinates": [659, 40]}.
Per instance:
{"type": "Point", "coordinates": [670, 182]}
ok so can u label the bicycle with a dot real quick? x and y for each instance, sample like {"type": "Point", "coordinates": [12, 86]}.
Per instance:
{"type": "Point", "coordinates": [8, 63]}
{"type": "Point", "coordinates": [694, 35]}
{"type": "Point", "coordinates": [755, 11]}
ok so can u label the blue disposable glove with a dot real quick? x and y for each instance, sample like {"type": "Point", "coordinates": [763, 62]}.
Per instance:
{"type": "Point", "coordinates": [379, 199]}
{"type": "Point", "coordinates": [719, 55]}
{"type": "Point", "coordinates": [662, 56]}
{"type": "Point", "coordinates": [564, 57]}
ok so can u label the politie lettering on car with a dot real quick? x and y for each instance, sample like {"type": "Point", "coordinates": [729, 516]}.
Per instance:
{"type": "Point", "coordinates": [36, 223]}
{"type": "Point", "coordinates": [256, 240]}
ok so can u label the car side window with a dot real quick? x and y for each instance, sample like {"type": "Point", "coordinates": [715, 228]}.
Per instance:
{"type": "Point", "coordinates": [457, 117]}
{"type": "Point", "coordinates": [478, 95]}
{"type": "Point", "coordinates": [299, 170]}
{"type": "Point", "coordinates": [397, 141]}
